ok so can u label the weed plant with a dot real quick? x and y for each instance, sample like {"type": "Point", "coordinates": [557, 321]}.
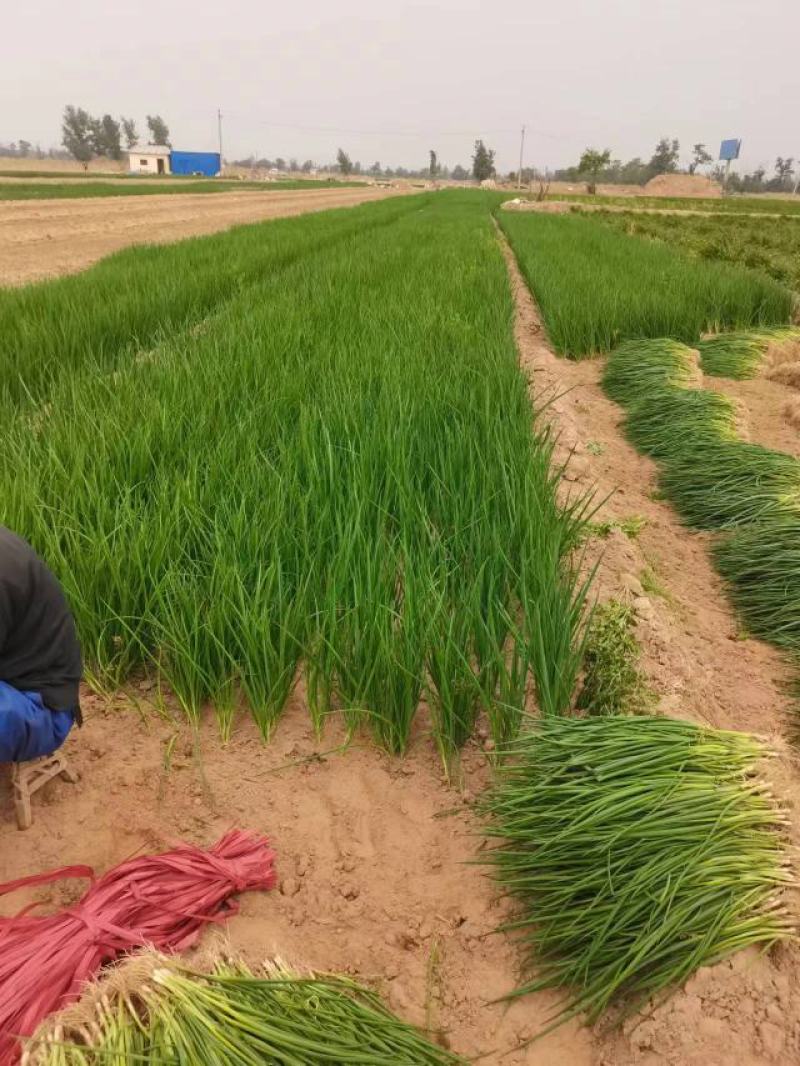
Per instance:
{"type": "Point", "coordinates": [612, 681]}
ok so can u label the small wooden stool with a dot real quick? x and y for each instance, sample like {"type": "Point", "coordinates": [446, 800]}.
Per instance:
{"type": "Point", "coordinates": [28, 777]}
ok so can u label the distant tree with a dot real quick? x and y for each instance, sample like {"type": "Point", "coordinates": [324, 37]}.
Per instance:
{"type": "Point", "coordinates": [106, 136]}
{"type": "Point", "coordinates": [307, 166]}
{"type": "Point", "coordinates": [459, 173]}
{"type": "Point", "coordinates": [482, 162]}
{"type": "Point", "coordinates": [665, 158]}
{"type": "Point", "coordinates": [375, 169]}
{"type": "Point", "coordinates": [344, 162]}
{"type": "Point", "coordinates": [24, 148]}
{"type": "Point", "coordinates": [159, 130]}
{"type": "Point", "coordinates": [701, 157]}
{"type": "Point", "coordinates": [76, 133]}
{"type": "Point", "coordinates": [130, 132]}
{"type": "Point", "coordinates": [591, 164]}
{"type": "Point", "coordinates": [294, 166]}
{"type": "Point", "coordinates": [280, 163]}
{"type": "Point", "coordinates": [784, 168]}
{"type": "Point", "coordinates": [433, 166]}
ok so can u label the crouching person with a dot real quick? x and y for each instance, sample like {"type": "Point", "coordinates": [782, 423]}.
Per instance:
{"type": "Point", "coordinates": [40, 657]}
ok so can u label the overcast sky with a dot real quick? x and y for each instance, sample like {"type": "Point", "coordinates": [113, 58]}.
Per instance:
{"type": "Point", "coordinates": [388, 81]}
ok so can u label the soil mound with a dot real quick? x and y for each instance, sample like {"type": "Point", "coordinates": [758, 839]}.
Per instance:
{"type": "Point", "coordinates": [682, 185]}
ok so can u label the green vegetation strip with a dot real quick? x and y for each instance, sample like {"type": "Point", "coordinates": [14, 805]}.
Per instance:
{"type": "Point", "coordinates": [638, 849]}
{"type": "Point", "coordinates": [721, 205]}
{"type": "Point", "coordinates": [102, 318]}
{"type": "Point", "coordinates": [152, 1010]}
{"type": "Point", "coordinates": [11, 190]}
{"type": "Point", "coordinates": [334, 473]}
{"type": "Point", "coordinates": [597, 288]}
{"type": "Point", "coordinates": [715, 480]}
{"type": "Point", "coordinates": [769, 245]}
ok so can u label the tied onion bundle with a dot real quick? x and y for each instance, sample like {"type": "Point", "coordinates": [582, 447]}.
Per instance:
{"type": "Point", "coordinates": [154, 1010]}
{"type": "Point", "coordinates": [639, 849]}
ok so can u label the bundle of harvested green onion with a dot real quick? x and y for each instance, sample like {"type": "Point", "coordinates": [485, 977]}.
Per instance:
{"type": "Point", "coordinates": [732, 483]}
{"type": "Point", "coordinates": [673, 422]}
{"type": "Point", "coordinates": [151, 1009]}
{"type": "Point", "coordinates": [738, 355]}
{"type": "Point", "coordinates": [636, 368]}
{"type": "Point", "coordinates": [762, 564]}
{"type": "Point", "coordinates": [639, 849]}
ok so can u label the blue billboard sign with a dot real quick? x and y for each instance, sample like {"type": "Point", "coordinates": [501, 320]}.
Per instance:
{"type": "Point", "coordinates": [729, 150]}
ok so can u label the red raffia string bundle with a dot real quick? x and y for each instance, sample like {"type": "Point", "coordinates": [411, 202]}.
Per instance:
{"type": "Point", "coordinates": [160, 901]}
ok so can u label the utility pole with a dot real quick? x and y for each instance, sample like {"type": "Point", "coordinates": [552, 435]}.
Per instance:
{"type": "Point", "coordinates": [521, 148]}
{"type": "Point", "coordinates": [219, 132]}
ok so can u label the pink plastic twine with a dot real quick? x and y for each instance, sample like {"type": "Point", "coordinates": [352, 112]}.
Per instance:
{"type": "Point", "coordinates": [162, 901]}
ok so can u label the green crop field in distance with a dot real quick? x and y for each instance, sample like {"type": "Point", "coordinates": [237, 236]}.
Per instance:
{"type": "Point", "coordinates": [597, 287]}
{"type": "Point", "coordinates": [769, 245]}
{"type": "Point", "coordinates": [141, 187]}
{"type": "Point", "coordinates": [722, 205]}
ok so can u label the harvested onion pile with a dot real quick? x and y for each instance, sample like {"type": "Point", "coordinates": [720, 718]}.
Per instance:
{"type": "Point", "coordinates": [151, 1009]}
{"type": "Point", "coordinates": [639, 849]}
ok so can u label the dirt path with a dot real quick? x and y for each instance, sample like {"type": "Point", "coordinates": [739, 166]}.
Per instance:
{"type": "Point", "coordinates": [701, 670]}
{"type": "Point", "coordinates": [376, 879]}
{"type": "Point", "coordinates": [45, 238]}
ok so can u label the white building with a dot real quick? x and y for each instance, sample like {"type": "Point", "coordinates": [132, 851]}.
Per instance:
{"type": "Point", "coordinates": [149, 159]}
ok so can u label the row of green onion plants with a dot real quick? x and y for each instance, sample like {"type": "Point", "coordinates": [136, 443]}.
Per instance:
{"type": "Point", "coordinates": [338, 474]}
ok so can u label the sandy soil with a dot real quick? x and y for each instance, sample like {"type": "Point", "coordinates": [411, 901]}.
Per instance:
{"type": "Point", "coordinates": [770, 402]}
{"type": "Point", "coordinates": [375, 873]}
{"type": "Point", "coordinates": [45, 238]}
